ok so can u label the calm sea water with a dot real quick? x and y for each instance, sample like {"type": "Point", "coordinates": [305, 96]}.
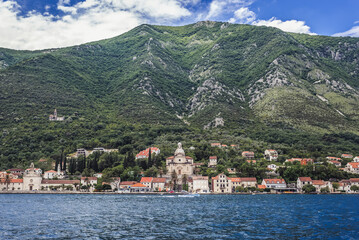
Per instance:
{"type": "Point", "coordinates": [45, 216]}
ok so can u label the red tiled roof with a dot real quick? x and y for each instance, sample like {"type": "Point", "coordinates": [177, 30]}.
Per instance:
{"type": "Point", "coordinates": [305, 179]}
{"type": "Point", "coordinates": [145, 153]}
{"type": "Point", "coordinates": [335, 162]}
{"type": "Point", "coordinates": [261, 186]}
{"type": "Point", "coordinates": [251, 161]}
{"type": "Point", "coordinates": [45, 181]}
{"type": "Point", "coordinates": [200, 178]}
{"type": "Point", "coordinates": [274, 181]}
{"type": "Point", "coordinates": [89, 178]}
{"type": "Point", "coordinates": [215, 144]}
{"type": "Point", "coordinates": [245, 179]}
{"type": "Point", "coordinates": [248, 179]}
{"type": "Point", "coordinates": [213, 157]}
{"type": "Point", "coordinates": [354, 164]}
{"type": "Point", "coordinates": [138, 185]}
{"type": "Point", "coordinates": [159, 180]}
{"type": "Point", "coordinates": [15, 170]}
{"type": "Point", "coordinates": [347, 155]}
{"type": "Point", "coordinates": [128, 183]}
{"type": "Point", "coordinates": [354, 179]}
{"type": "Point", "coordinates": [318, 182]}
{"type": "Point", "coordinates": [51, 171]}
{"type": "Point", "coordinates": [247, 152]}
{"type": "Point", "coordinates": [146, 179]}
{"type": "Point", "coordinates": [11, 180]}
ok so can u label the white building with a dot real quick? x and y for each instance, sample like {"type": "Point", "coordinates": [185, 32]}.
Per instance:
{"type": "Point", "coordinates": [243, 182]}
{"type": "Point", "coordinates": [352, 167]}
{"type": "Point", "coordinates": [145, 153]}
{"type": "Point", "coordinates": [159, 184]}
{"type": "Point", "coordinates": [301, 181]}
{"type": "Point", "coordinates": [198, 184]}
{"type": "Point", "coordinates": [91, 182]}
{"type": "Point", "coordinates": [274, 183]}
{"type": "Point", "coordinates": [271, 155]}
{"type": "Point", "coordinates": [272, 167]}
{"type": "Point", "coordinates": [50, 174]}
{"type": "Point", "coordinates": [356, 159]}
{"type": "Point", "coordinates": [212, 163]}
{"type": "Point", "coordinates": [221, 184]}
{"type": "Point", "coordinates": [32, 178]}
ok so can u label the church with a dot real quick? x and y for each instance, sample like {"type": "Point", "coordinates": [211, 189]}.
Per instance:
{"type": "Point", "coordinates": [180, 164]}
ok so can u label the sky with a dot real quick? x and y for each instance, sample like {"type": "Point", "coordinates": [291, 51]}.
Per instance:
{"type": "Point", "coordinates": [43, 24]}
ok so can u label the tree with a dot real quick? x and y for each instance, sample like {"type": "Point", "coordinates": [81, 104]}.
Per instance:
{"type": "Point", "coordinates": [354, 188]}
{"type": "Point", "coordinates": [335, 186]}
{"type": "Point", "coordinates": [150, 163]}
{"type": "Point", "coordinates": [309, 188]}
{"type": "Point", "coordinates": [174, 180]}
{"type": "Point", "coordinates": [324, 190]}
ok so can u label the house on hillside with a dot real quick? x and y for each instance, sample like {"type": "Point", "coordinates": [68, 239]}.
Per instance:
{"type": "Point", "coordinates": [272, 167]}
{"type": "Point", "coordinates": [301, 181]}
{"type": "Point", "coordinates": [212, 163]}
{"type": "Point", "coordinates": [216, 145]}
{"type": "Point", "coordinates": [347, 155]}
{"type": "Point", "coordinates": [335, 163]}
{"type": "Point", "coordinates": [271, 155]}
{"type": "Point", "coordinates": [334, 159]}
{"type": "Point", "coordinates": [352, 167]}
{"type": "Point", "coordinates": [356, 159]}
{"type": "Point", "coordinates": [248, 155]}
{"type": "Point", "coordinates": [145, 153]}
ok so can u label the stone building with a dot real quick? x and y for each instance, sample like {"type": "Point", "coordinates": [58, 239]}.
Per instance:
{"type": "Point", "coordinates": [32, 178]}
{"type": "Point", "coordinates": [180, 164]}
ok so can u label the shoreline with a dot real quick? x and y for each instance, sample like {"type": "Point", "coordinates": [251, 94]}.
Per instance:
{"type": "Point", "coordinates": [164, 193]}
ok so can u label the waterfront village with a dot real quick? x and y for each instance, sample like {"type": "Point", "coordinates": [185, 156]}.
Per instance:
{"type": "Point", "coordinates": [182, 175]}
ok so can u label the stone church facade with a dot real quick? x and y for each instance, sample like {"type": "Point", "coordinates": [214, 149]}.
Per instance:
{"type": "Point", "coordinates": [180, 164]}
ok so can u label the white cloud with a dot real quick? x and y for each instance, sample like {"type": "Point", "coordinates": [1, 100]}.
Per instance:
{"type": "Point", "coordinates": [220, 7]}
{"type": "Point", "coordinates": [86, 21]}
{"type": "Point", "coordinates": [353, 32]}
{"type": "Point", "coordinates": [243, 15]}
{"type": "Point", "coordinates": [287, 26]}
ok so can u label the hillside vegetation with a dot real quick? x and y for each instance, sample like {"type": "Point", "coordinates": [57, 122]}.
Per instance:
{"type": "Point", "coordinates": [208, 81]}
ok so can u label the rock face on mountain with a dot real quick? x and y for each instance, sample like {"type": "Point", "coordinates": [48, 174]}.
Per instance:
{"type": "Point", "coordinates": [207, 75]}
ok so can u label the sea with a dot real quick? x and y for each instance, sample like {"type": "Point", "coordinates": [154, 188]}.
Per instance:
{"type": "Point", "coordinates": [79, 216]}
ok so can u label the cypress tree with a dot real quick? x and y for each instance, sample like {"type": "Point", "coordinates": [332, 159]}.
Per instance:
{"type": "Point", "coordinates": [64, 167]}
{"type": "Point", "coordinates": [150, 158]}
{"type": "Point", "coordinates": [61, 157]}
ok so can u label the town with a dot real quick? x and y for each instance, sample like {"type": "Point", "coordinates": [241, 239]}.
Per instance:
{"type": "Point", "coordinates": [182, 174]}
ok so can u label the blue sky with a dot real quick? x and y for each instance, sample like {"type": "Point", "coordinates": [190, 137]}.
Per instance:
{"type": "Point", "coordinates": [40, 24]}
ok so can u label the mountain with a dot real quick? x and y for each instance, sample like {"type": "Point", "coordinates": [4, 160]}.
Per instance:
{"type": "Point", "coordinates": [203, 76]}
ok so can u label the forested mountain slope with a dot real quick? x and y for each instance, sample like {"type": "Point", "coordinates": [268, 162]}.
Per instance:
{"type": "Point", "coordinates": [202, 76]}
